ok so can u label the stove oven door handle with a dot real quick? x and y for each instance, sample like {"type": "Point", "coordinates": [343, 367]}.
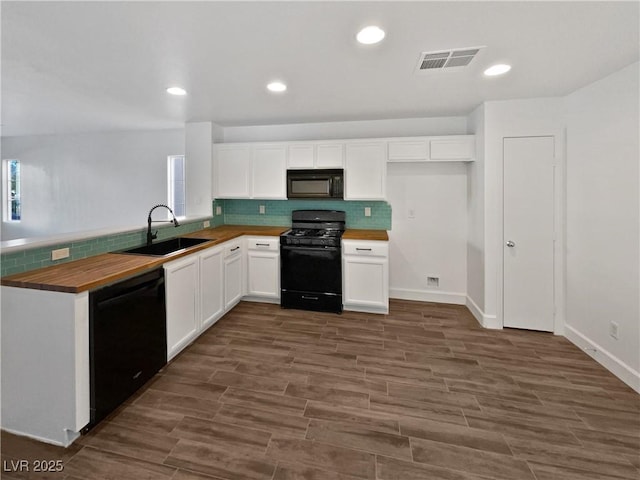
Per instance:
{"type": "Point", "coordinates": [319, 247]}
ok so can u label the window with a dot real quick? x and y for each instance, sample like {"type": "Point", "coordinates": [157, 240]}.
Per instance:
{"type": "Point", "coordinates": [12, 207]}
{"type": "Point", "coordinates": [177, 196]}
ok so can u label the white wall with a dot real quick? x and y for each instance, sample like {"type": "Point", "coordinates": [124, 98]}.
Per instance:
{"type": "Point", "coordinates": [603, 220]}
{"type": "Point", "coordinates": [432, 243]}
{"type": "Point", "coordinates": [198, 166]}
{"type": "Point", "coordinates": [511, 118]}
{"type": "Point", "coordinates": [89, 181]}
{"type": "Point", "coordinates": [356, 129]}
{"type": "Point", "coordinates": [476, 213]}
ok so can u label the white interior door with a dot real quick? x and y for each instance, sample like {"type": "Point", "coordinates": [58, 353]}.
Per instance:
{"type": "Point", "coordinates": [528, 298]}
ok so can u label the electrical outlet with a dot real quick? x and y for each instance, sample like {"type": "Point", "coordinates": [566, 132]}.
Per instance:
{"type": "Point", "coordinates": [613, 329]}
{"type": "Point", "coordinates": [218, 210]}
{"type": "Point", "coordinates": [206, 224]}
{"type": "Point", "coordinates": [433, 281]}
{"type": "Point", "coordinates": [59, 254]}
{"type": "Point", "coordinates": [262, 209]}
{"type": "Point", "coordinates": [367, 211]}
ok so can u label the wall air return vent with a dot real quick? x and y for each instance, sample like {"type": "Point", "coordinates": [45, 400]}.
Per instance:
{"type": "Point", "coordinates": [446, 60]}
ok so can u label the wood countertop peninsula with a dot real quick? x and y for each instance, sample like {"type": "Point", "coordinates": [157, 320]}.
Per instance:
{"type": "Point", "coordinates": [94, 272]}
{"type": "Point", "coordinates": [356, 234]}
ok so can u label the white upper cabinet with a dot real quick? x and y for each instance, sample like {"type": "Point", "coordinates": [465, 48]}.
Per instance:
{"type": "Point", "coordinates": [413, 149]}
{"type": "Point", "coordinates": [231, 170]}
{"type": "Point", "coordinates": [329, 155]}
{"type": "Point", "coordinates": [365, 172]}
{"type": "Point", "coordinates": [301, 156]}
{"type": "Point", "coordinates": [269, 170]}
{"type": "Point", "coordinates": [259, 170]}
{"type": "Point", "coordinates": [456, 148]}
{"type": "Point", "coordinates": [309, 155]}
{"type": "Point", "coordinates": [250, 171]}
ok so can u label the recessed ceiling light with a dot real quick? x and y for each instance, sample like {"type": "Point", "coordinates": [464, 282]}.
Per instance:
{"type": "Point", "coordinates": [370, 35]}
{"type": "Point", "coordinates": [498, 69]}
{"type": "Point", "coordinates": [276, 87]}
{"type": "Point", "coordinates": [176, 91]}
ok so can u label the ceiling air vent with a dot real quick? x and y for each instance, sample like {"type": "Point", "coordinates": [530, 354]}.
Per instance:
{"type": "Point", "coordinates": [446, 60]}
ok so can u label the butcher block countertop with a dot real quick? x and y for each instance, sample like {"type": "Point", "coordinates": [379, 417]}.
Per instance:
{"type": "Point", "coordinates": [353, 234]}
{"type": "Point", "coordinates": [100, 270]}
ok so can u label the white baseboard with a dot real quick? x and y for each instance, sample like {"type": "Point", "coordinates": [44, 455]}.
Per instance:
{"type": "Point", "coordinates": [428, 296]}
{"type": "Point", "coordinates": [609, 361]}
{"type": "Point", "coordinates": [487, 321]}
{"type": "Point", "coordinates": [71, 437]}
{"type": "Point", "coordinates": [365, 309]}
{"type": "Point", "coordinates": [252, 298]}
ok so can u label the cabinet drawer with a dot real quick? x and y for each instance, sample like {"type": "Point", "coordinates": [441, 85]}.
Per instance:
{"type": "Point", "coordinates": [372, 249]}
{"type": "Point", "coordinates": [263, 243]}
{"type": "Point", "coordinates": [232, 248]}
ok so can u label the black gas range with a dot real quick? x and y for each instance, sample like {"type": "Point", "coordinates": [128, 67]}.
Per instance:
{"type": "Point", "coordinates": [311, 261]}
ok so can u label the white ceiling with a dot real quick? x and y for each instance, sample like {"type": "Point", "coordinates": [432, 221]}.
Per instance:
{"type": "Point", "coordinates": [93, 66]}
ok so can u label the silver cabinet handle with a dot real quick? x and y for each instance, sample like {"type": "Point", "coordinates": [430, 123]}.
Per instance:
{"type": "Point", "coordinates": [262, 244]}
{"type": "Point", "coordinates": [363, 249]}
{"type": "Point", "coordinates": [234, 249]}
{"type": "Point", "coordinates": [511, 243]}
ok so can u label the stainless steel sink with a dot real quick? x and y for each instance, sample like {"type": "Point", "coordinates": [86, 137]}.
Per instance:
{"type": "Point", "coordinates": [160, 249]}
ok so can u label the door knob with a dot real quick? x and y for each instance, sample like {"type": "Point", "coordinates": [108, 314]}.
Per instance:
{"type": "Point", "coordinates": [511, 244]}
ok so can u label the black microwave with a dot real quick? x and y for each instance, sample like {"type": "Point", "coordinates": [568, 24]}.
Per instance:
{"type": "Point", "coordinates": [315, 184]}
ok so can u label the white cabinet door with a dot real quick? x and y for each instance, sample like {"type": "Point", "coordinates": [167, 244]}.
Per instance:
{"type": "Point", "coordinates": [181, 284]}
{"type": "Point", "coordinates": [232, 165]}
{"type": "Point", "coordinates": [211, 287]}
{"type": "Point", "coordinates": [366, 276]}
{"type": "Point", "coordinates": [269, 171]}
{"type": "Point", "coordinates": [453, 147]}
{"type": "Point", "coordinates": [329, 155]}
{"type": "Point", "coordinates": [233, 274]}
{"type": "Point", "coordinates": [301, 156]}
{"type": "Point", "coordinates": [316, 155]}
{"type": "Point", "coordinates": [263, 267]}
{"type": "Point", "coordinates": [366, 168]}
{"type": "Point", "coordinates": [264, 274]}
{"type": "Point", "coordinates": [408, 150]}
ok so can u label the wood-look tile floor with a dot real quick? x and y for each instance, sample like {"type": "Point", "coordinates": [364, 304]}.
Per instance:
{"type": "Point", "coordinates": [422, 393]}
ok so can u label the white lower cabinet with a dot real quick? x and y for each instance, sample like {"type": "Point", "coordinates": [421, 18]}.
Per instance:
{"type": "Point", "coordinates": [45, 364]}
{"type": "Point", "coordinates": [263, 267]}
{"type": "Point", "coordinates": [233, 278]}
{"type": "Point", "coordinates": [200, 288]}
{"type": "Point", "coordinates": [182, 288]}
{"type": "Point", "coordinates": [365, 267]}
{"type": "Point", "coordinates": [211, 286]}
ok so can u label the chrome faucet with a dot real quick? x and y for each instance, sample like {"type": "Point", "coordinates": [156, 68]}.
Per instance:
{"type": "Point", "coordinates": [152, 236]}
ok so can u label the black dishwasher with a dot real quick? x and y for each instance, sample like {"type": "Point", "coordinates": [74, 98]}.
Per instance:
{"type": "Point", "coordinates": [127, 339]}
